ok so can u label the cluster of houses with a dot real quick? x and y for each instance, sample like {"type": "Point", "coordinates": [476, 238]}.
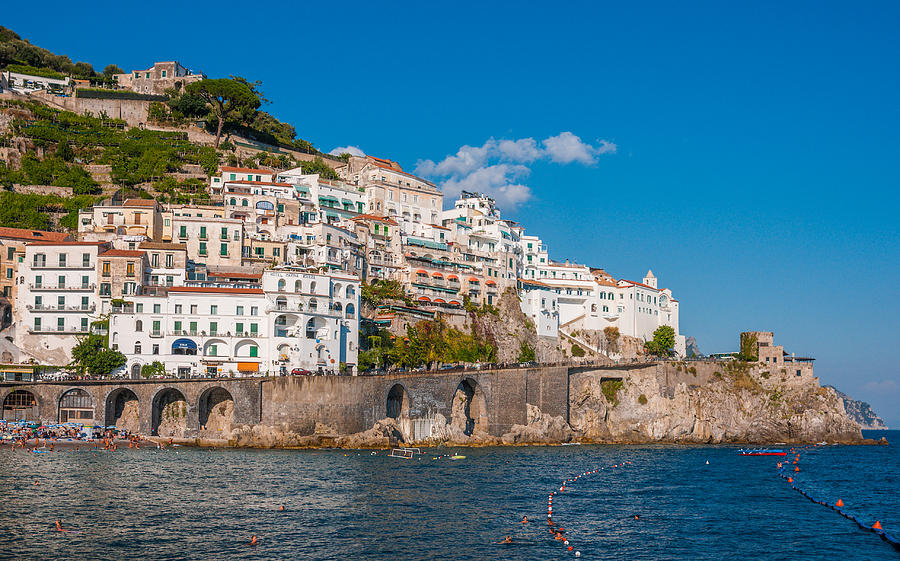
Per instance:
{"type": "Point", "coordinates": [268, 279]}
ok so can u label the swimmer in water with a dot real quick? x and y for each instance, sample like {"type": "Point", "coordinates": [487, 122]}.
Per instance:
{"type": "Point", "coordinates": [59, 527]}
{"type": "Point", "coordinates": [559, 536]}
{"type": "Point", "coordinates": [253, 540]}
{"type": "Point", "coordinates": [636, 517]}
{"type": "Point", "coordinates": [281, 508]}
{"type": "Point", "coordinates": [524, 520]}
{"type": "Point", "coordinates": [505, 541]}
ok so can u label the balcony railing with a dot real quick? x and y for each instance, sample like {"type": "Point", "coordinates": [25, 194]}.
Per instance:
{"type": "Point", "coordinates": [43, 308]}
{"type": "Point", "coordinates": [81, 265]}
{"type": "Point", "coordinates": [33, 286]}
{"type": "Point", "coordinates": [57, 330]}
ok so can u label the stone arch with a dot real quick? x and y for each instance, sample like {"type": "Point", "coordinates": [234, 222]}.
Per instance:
{"type": "Point", "coordinates": [123, 410]}
{"type": "Point", "coordinates": [75, 405]}
{"type": "Point", "coordinates": [221, 347]}
{"type": "Point", "coordinates": [350, 311]}
{"type": "Point", "coordinates": [243, 348]}
{"type": "Point", "coordinates": [216, 408]}
{"type": "Point", "coordinates": [313, 326]}
{"type": "Point", "coordinates": [397, 402]}
{"type": "Point", "coordinates": [21, 405]}
{"type": "Point", "coordinates": [285, 324]}
{"type": "Point", "coordinates": [169, 413]}
{"type": "Point", "coordinates": [468, 411]}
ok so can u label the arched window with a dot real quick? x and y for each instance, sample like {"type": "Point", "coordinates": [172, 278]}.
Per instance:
{"type": "Point", "coordinates": [594, 308]}
{"type": "Point", "coordinates": [298, 286]}
{"type": "Point", "coordinates": [311, 329]}
{"type": "Point", "coordinates": [281, 285]}
{"type": "Point", "coordinates": [338, 308]}
{"type": "Point", "coordinates": [138, 325]}
{"type": "Point", "coordinates": [351, 311]}
{"type": "Point", "coordinates": [137, 348]}
{"type": "Point", "coordinates": [351, 292]}
{"type": "Point", "coordinates": [233, 201]}
{"type": "Point", "coordinates": [312, 305]}
{"type": "Point", "coordinates": [244, 202]}
{"type": "Point", "coordinates": [336, 290]}
{"type": "Point", "coordinates": [312, 287]}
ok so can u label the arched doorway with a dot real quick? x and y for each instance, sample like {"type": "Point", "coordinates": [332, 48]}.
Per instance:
{"type": "Point", "coordinates": [216, 410]}
{"type": "Point", "coordinates": [136, 371]}
{"type": "Point", "coordinates": [123, 410]}
{"type": "Point", "coordinates": [20, 405]}
{"type": "Point", "coordinates": [76, 406]}
{"type": "Point", "coordinates": [469, 409]}
{"type": "Point", "coordinates": [397, 402]}
{"type": "Point", "coordinates": [169, 413]}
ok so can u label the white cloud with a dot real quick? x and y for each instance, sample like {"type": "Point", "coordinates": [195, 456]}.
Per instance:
{"type": "Point", "coordinates": [352, 150]}
{"type": "Point", "coordinates": [496, 167]}
{"type": "Point", "coordinates": [566, 148]}
{"type": "Point", "coordinates": [881, 387]}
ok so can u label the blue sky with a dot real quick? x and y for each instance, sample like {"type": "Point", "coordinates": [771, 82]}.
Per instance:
{"type": "Point", "coordinates": [756, 145]}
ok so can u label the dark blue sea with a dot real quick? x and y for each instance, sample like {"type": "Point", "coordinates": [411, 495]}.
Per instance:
{"type": "Point", "coordinates": [186, 503]}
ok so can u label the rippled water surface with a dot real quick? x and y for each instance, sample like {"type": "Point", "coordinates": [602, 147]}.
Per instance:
{"type": "Point", "coordinates": [199, 504]}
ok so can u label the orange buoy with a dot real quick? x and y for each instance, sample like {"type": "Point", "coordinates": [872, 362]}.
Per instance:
{"type": "Point", "coordinates": [790, 479]}
{"type": "Point", "coordinates": [877, 526]}
{"type": "Point", "coordinates": [570, 548]}
{"type": "Point", "coordinates": [839, 503]}
{"type": "Point", "coordinates": [796, 469]}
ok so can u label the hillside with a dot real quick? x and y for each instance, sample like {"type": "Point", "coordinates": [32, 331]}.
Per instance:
{"type": "Point", "coordinates": [860, 411]}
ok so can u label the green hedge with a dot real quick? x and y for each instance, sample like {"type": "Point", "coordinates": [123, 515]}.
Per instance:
{"type": "Point", "coordinates": [99, 93]}
{"type": "Point", "coordinates": [32, 71]}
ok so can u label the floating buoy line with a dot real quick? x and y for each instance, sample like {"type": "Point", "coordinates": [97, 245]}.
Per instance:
{"type": "Point", "coordinates": [556, 530]}
{"type": "Point", "coordinates": [875, 528]}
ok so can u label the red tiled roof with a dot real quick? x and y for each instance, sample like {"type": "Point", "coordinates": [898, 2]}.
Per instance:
{"type": "Point", "coordinates": [247, 170]}
{"type": "Point", "coordinates": [441, 227]}
{"type": "Point", "coordinates": [216, 290]}
{"type": "Point", "coordinates": [534, 283]}
{"type": "Point", "coordinates": [382, 166]}
{"type": "Point", "coordinates": [163, 245]}
{"type": "Point", "coordinates": [122, 253]}
{"type": "Point", "coordinates": [139, 202]}
{"type": "Point", "coordinates": [67, 242]}
{"type": "Point", "coordinates": [32, 235]}
{"type": "Point", "coordinates": [640, 284]}
{"type": "Point", "coordinates": [374, 217]}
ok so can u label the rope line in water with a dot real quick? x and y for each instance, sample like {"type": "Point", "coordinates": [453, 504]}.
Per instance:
{"type": "Point", "coordinates": [875, 528]}
{"type": "Point", "coordinates": [562, 489]}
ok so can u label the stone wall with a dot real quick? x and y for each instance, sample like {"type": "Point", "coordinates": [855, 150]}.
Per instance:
{"type": "Point", "coordinates": [132, 111]}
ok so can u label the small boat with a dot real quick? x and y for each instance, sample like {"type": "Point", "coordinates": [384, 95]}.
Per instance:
{"type": "Point", "coordinates": [457, 457]}
{"type": "Point", "coordinates": [762, 452]}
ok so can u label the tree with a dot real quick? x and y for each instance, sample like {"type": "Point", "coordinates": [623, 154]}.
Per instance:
{"type": "Point", "coordinates": [526, 352]}
{"type": "Point", "coordinates": [612, 338]}
{"type": "Point", "coordinates": [64, 151]}
{"type": "Point", "coordinates": [91, 356]}
{"type": "Point", "coordinates": [227, 99]}
{"type": "Point", "coordinates": [112, 69]}
{"type": "Point", "coordinates": [155, 368]}
{"type": "Point", "coordinates": [662, 343]}
{"type": "Point", "coordinates": [84, 69]}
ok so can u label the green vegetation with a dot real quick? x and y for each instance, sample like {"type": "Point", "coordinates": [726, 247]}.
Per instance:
{"type": "Point", "coordinates": [20, 210]}
{"type": "Point", "coordinates": [231, 100]}
{"type": "Point", "coordinates": [52, 170]}
{"type": "Point", "coordinates": [32, 71]}
{"type": "Point", "coordinates": [91, 356]}
{"type": "Point", "coordinates": [17, 52]}
{"type": "Point", "coordinates": [610, 388]}
{"type": "Point", "coordinates": [526, 352]}
{"type": "Point", "coordinates": [378, 292]}
{"type": "Point", "coordinates": [155, 368]}
{"type": "Point", "coordinates": [106, 93]}
{"type": "Point", "coordinates": [642, 399]}
{"type": "Point", "coordinates": [427, 343]}
{"type": "Point", "coordinates": [319, 166]}
{"type": "Point", "coordinates": [577, 351]}
{"type": "Point", "coordinates": [749, 350]}
{"type": "Point", "coordinates": [612, 338]}
{"type": "Point", "coordinates": [662, 343]}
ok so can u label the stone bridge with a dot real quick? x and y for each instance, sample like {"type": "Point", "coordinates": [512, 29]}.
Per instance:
{"type": "Point", "coordinates": [491, 400]}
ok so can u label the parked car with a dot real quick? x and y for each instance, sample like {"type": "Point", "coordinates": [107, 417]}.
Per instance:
{"type": "Point", "coordinates": [300, 372]}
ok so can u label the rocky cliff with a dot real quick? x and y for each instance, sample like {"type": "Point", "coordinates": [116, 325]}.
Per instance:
{"type": "Point", "coordinates": [860, 411]}
{"type": "Point", "coordinates": [735, 402]}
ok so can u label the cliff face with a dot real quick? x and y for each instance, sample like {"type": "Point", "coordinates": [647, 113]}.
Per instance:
{"type": "Point", "coordinates": [717, 404]}
{"type": "Point", "coordinates": [860, 411]}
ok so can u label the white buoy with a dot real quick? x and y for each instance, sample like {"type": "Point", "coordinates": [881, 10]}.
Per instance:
{"type": "Point", "coordinates": [707, 462]}
{"type": "Point", "coordinates": [566, 542]}
{"type": "Point", "coordinates": [577, 554]}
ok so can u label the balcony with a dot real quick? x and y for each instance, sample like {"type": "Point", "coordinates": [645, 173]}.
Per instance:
{"type": "Point", "coordinates": [42, 308]}
{"type": "Point", "coordinates": [74, 266]}
{"type": "Point", "coordinates": [76, 330]}
{"type": "Point", "coordinates": [156, 334]}
{"type": "Point", "coordinates": [74, 287]}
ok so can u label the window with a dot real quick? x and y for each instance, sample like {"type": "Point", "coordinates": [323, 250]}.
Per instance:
{"type": "Point", "coordinates": [193, 309]}
{"type": "Point", "coordinates": [276, 251]}
{"type": "Point", "coordinates": [244, 202]}
{"type": "Point", "coordinates": [137, 348]}
{"type": "Point", "coordinates": [10, 252]}
{"type": "Point", "coordinates": [85, 302]}
{"type": "Point", "coordinates": [156, 308]}
{"type": "Point", "coordinates": [254, 329]}
{"type": "Point", "coordinates": [60, 324]}
{"type": "Point", "coordinates": [170, 260]}
{"type": "Point", "coordinates": [147, 76]}
{"type": "Point", "coordinates": [105, 271]}
{"type": "Point", "coordinates": [193, 327]}
{"type": "Point", "coordinates": [61, 281]}
{"type": "Point", "coordinates": [85, 259]}
{"type": "Point", "coordinates": [169, 280]}
{"type": "Point", "coordinates": [129, 269]}
{"type": "Point", "coordinates": [254, 351]}
{"type": "Point", "coordinates": [203, 248]}
{"type": "Point", "coordinates": [213, 350]}
{"type": "Point", "coordinates": [163, 73]}
{"type": "Point", "coordinates": [37, 324]}
{"type": "Point", "coordinates": [177, 308]}
{"type": "Point", "coordinates": [138, 325]}
{"type": "Point", "coordinates": [84, 325]}
{"type": "Point", "coordinates": [154, 260]}
{"type": "Point", "coordinates": [239, 327]}
{"type": "Point", "coordinates": [225, 231]}
{"type": "Point", "coordinates": [280, 207]}
{"type": "Point", "coordinates": [254, 310]}
{"type": "Point", "coordinates": [62, 259]}
{"type": "Point", "coordinates": [223, 249]}
{"type": "Point", "coordinates": [182, 232]}
{"type": "Point", "coordinates": [155, 347]}
{"type": "Point", "coordinates": [239, 311]}
{"type": "Point", "coordinates": [202, 232]}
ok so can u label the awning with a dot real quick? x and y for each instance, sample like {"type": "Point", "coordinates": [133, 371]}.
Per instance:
{"type": "Point", "coordinates": [184, 344]}
{"type": "Point", "coordinates": [422, 272]}
{"type": "Point", "coordinates": [301, 189]}
{"type": "Point", "coordinates": [332, 215]}
{"type": "Point", "coordinates": [424, 299]}
{"type": "Point", "coordinates": [346, 202]}
{"type": "Point", "coordinates": [437, 275]}
{"type": "Point", "coordinates": [452, 277]}
{"type": "Point", "coordinates": [248, 367]}
{"type": "Point", "coordinates": [491, 283]}
{"type": "Point", "coordinates": [439, 301]}
{"type": "Point", "coordinates": [473, 279]}
{"type": "Point", "coordinates": [328, 198]}
{"type": "Point", "coordinates": [454, 303]}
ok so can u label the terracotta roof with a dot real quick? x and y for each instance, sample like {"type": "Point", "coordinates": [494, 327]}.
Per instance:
{"type": "Point", "coordinates": [64, 242]}
{"type": "Point", "coordinates": [163, 245]}
{"type": "Point", "coordinates": [245, 182]}
{"type": "Point", "coordinates": [386, 161]}
{"type": "Point", "coordinates": [640, 284]}
{"type": "Point", "coordinates": [374, 217]}
{"type": "Point", "coordinates": [216, 290]}
{"type": "Point", "coordinates": [382, 166]}
{"type": "Point", "coordinates": [122, 253]}
{"type": "Point", "coordinates": [139, 202]}
{"type": "Point", "coordinates": [32, 235]}
{"type": "Point", "coordinates": [534, 283]}
{"type": "Point", "coordinates": [247, 170]}
{"type": "Point", "coordinates": [441, 227]}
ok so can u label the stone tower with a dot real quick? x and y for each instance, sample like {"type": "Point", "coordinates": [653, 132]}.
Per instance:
{"type": "Point", "coordinates": [649, 279]}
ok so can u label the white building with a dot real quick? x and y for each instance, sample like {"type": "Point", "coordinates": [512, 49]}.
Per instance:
{"type": "Point", "coordinates": [298, 320]}
{"type": "Point", "coordinates": [539, 302]}
{"type": "Point", "coordinates": [57, 297]}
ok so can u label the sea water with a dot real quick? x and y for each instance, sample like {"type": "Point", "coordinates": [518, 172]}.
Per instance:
{"type": "Point", "coordinates": [184, 503]}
